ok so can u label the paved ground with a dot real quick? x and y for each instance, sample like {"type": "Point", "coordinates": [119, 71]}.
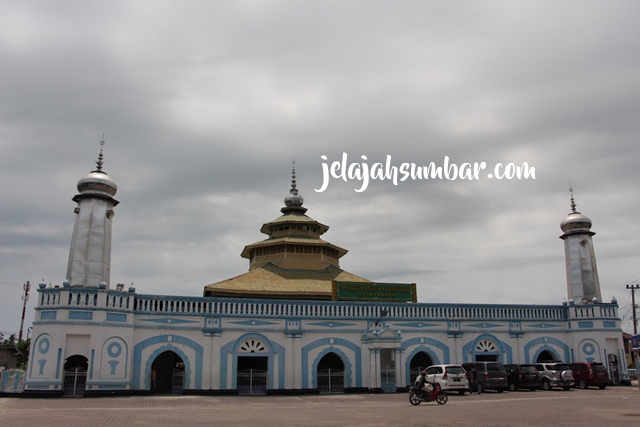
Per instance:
{"type": "Point", "coordinates": [615, 406]}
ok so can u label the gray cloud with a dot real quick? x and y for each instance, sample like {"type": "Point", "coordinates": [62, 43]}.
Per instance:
{"type": "Point", "coordinates": [204, 106]}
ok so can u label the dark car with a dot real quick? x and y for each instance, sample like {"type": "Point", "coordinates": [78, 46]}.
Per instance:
{"type": "Point", "coordinates": [491, 375]}
{"type": "Point", "coordinates": [522, 376]}
{"type": "Point", "coordinates": [590, 373]}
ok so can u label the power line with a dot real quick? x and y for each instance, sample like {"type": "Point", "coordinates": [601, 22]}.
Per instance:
{"type": "Point", "coordinates": [10, 283]}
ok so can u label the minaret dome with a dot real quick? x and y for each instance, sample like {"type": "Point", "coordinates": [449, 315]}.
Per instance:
{"type": "Point", "coordinates": [98, 182]}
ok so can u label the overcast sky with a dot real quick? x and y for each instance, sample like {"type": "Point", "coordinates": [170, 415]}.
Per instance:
{"type": "Point", "coordinates": [203, 106]}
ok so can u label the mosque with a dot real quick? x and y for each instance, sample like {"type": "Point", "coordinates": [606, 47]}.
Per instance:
{"type": "Point", "coordinates": [294, 323]}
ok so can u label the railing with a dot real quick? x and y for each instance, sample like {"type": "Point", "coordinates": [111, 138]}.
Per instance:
{"type": "Point", "coordinates": [332, 309]}
{"type": "Point", "coordinates": [157, 304]}
{"type": "Point", "coordinates": [78, 297]}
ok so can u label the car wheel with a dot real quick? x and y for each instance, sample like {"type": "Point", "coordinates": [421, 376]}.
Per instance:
{"type": "Point", "coordinates": [546, 385]}
{"type": "Point", "coordinates": [583, 384]}
{"type": "Point", "coordinates": [566, 388]}
{"type": "Point", "coordinates": [512, 387]}
{"type": "Point", "coordinates": [461, 392]}
{"type": "Point", "coordinates": [480, 388]}
{"type": "Point", "coordinates": [602, 387]}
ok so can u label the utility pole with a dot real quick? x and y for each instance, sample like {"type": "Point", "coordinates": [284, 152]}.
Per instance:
{"type": "Point", "coordinates": [25, 298]}
{"type": "Point", "coordinates": [633, 306]}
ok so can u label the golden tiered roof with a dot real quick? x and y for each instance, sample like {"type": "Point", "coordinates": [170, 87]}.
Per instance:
{"type": "Point", "coordinates": [275, 282]}
{"type": "Point", "coordinates": [293, 263]}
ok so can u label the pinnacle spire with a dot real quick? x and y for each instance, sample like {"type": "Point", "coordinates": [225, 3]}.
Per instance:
{"type": "Point", "coordinates": [293, 199]}
{"type": "Point", "coordinates": [573, 202]}
{"type": "Point", "coordinates": [100, 160]}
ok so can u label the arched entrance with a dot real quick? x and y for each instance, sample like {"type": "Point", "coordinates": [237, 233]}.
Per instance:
{"type": "Point", "coordinates": [419, 361]}
{"type": "Point", "coordinates": [167, 373]}
{"type": "Point", "coordinates": [545, 356]}
{"type": "Point", "coordinates": [75, 376]}
{"type": "Point", "coordinates": [330, 374]}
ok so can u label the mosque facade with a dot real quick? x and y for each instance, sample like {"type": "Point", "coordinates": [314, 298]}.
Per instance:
{"type": "Point", "coordinates": [296, 322]}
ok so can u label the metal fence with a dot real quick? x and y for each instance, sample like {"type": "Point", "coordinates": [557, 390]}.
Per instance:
{"type": "Point", "coordinates": [177, 382]}
{"type": "Point", "coordinates": [331, 380]}
{"type": "Point", "coordinates": [74, 382]}
{"type": "Point", "coordinates": [252, 381]}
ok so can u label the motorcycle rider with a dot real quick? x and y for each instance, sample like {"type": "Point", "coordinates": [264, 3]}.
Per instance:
{"type": "Point", "coordinates": [422, 384]}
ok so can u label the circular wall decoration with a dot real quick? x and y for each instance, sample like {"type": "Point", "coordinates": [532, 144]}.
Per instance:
{"type": "Point", "coordinates": [114, 349]}
{"type": "Point", "coordinates": [43, 346]}
{"type": "Point", "coordinates": [588, 349]}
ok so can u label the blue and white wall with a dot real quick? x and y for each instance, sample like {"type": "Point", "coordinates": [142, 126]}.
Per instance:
{"type": "Point", "coordinates": [121, 333]}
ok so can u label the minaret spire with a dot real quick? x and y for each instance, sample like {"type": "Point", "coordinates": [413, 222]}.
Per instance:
{"type": "Point", "coordinates": [573, 202]}
{"type": "Point", "coordinates": [293, 200]}
{"type": "Point", "coordinates": [100, 160]}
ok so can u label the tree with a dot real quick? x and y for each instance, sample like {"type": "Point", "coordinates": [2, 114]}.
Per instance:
{"type": "Point", "coordinates": [23, 347]}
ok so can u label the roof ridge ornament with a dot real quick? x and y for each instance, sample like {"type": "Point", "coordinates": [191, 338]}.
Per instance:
{"type": "Point", "coordinates": [573, 202]}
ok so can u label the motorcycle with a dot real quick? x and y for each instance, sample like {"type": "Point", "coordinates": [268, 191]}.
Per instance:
{"type": "Point", "coordinates": [416, 395]}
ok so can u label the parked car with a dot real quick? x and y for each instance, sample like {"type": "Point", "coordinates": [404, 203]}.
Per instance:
{"type": "Point", "coordinates": [491, 375]}
{"type": "Point", "coordinates": [523, 376]}
{"type": "Point", "coordinates": [449, 377]}
{"type": "Point", "coordinates": [590, 373]}
{"type": "Point", "coordinates": [555, 375]}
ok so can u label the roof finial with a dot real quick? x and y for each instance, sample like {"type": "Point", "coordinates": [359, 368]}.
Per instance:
{"type": "Point", "coordinates": [293, 176]}
{"type": "Point", "coordinates": [573, 202]}
{"type": "Point", "coordinates": [100, 161]}
{"type": "Point", "coordinates": [293, 199]}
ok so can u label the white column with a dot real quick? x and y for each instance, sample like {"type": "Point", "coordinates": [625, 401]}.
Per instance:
{"type": "Point", "coordinates": [215, 361]}
{"type": "Point", "coordinates": [400, 381]}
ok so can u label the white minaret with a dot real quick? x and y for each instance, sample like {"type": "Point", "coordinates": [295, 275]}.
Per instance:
{"type": "Point", "coordinates": [583, 285]}
{"type": "Point", "coordinates": [90, 254]}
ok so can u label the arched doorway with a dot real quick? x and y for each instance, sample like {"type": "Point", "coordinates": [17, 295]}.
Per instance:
{"type": "Point", "coordinates": [546, 356]}
{"type": "Point", "coordinates": [75, 376]}
{"type": "Point", "coordinates": [167, 374]}
{"type": "Point", "coordinates": [330, 374]}
{"type": "Point", "coordinates": [419, 361]}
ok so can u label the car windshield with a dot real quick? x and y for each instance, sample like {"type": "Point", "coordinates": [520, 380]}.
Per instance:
{"type": "Point", "coordinates": [528, 368]}
{"type": "Point", "coordinates": [455, 370]}
{"type": "Point", "coordinates": [495, 367]}
{"type": "Point", "coordinates": [598, 368]}
{"type": "Point", "coordinates": [561, 367]}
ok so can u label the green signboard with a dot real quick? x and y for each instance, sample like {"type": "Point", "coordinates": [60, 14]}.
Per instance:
{"type": "Point", "coordinates": [370, 291]}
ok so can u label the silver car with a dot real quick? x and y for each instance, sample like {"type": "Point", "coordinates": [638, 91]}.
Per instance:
{"type": "Point", "coordinates": [555, 375]}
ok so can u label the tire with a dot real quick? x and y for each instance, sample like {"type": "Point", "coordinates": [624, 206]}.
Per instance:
{"type": "Point", "coordinates": [546, 385]}
{"type": "Point", "coordinates": [512, 387]}
{"type": "Point", "coordinates": [602, 387]}
{"type": "Point", "coordinates": [461, 392]}
{"type": "Point", "coordinates": [414, 399]}
{"type": "Point", "coordinates": [566, 388]}
{"type": "Point", "coordinates": [480, 388]}
{"type": "Point", "coordinates": [583, 384]}
{"type": "Point", "coordinates": [532, 388]}
{"type": "Point", "coordinates": [442, 398]}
